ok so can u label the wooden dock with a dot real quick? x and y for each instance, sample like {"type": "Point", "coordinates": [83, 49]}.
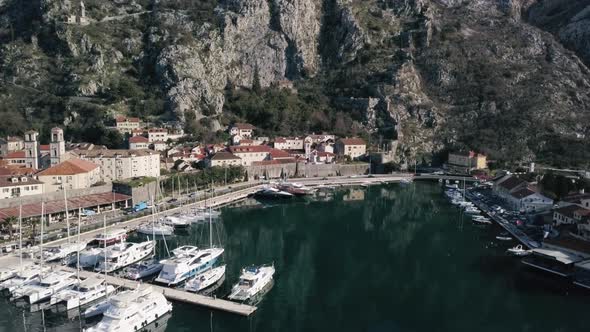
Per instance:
{"type": "Point", "coordinates": [182, 296]}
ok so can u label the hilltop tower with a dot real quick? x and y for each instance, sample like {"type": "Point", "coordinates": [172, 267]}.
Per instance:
{"type": "Point", "coordinates": [32, 149]}
{"type": "Point", "coordinates": [57, 146]}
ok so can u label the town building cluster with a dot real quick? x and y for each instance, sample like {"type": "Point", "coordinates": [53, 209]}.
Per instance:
{"type": "Point", "coordinates": [30, 168]}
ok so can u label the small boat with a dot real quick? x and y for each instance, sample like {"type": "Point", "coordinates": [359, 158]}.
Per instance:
{"type": "Point", "coordinates": [519, 251]}
{"type": "Point", "coordinates": [294, 188]}
{"type": "Point", "coordinates": [143, 269]}
{"type": "Point", "coordinates": [504, 236]}
{"type": "Point", "coordinates": [481, 220]}
{"type": "Point", "coordinates": [406, 181]}
{"type": "Point", "coordinates": [155, 229]}
{"type": "Point", "coordinates": [252, 281]}
{"type": "Point", "coordinates": [205, 279]}
{"type": "Point", "coordinates": [109, 238]}
{"type": "Point", "coordinates": [472, 210]}
{"type": "Point", "coordinates": [176, 222]}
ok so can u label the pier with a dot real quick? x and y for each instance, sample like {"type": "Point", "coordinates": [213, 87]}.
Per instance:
{"type": "Point", "coordinates": [181, 295]}
{"type": "Point", "coordinates": [513, 230]}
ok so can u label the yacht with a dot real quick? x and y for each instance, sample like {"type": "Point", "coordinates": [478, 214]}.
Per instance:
{"type": "Point", "coordinates": [52, 254]}
{"type": "Point", "coordinates": [26, 276]}
{"type": "Point", "coordinates": [156, 229]}
{"type": "Point", "coordinates": [176, 222]}
{"type": "Point", "coordinates": [82, 294]}
{"type": "Point", "coordinates": [481, 220]}
{"type": "Point", "coordinates": [252, 281]}
{"type": "Point", "coordinates": [271, 192]}
{"type": "Point", "coordinates": [45, 287]}
{"type": "Point", "coordinates": [130, 311]}
{"type": "Point", "coordinates": [187, 263]}
{"type": "Point", "coordinates": [123, 254]}
{"type": "Point", "coordinates": [205, 279]}
{"type": "Point", "coordinates": [109, 238]}
{"type": "Point", "coordinates": [143, 269]}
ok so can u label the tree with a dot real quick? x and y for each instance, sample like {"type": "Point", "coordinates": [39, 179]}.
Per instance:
{"type": "Point", "coordinates": [8, 223]}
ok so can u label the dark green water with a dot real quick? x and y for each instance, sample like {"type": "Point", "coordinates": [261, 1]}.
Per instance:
{"type": "Point", "coordinates": [401, 259]}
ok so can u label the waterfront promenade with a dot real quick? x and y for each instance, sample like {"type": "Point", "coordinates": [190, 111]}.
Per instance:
{"type": "Point", "coordinates": [509, 227]}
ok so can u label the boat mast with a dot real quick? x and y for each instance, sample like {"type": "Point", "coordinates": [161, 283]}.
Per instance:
{"type": "Point", "coordinates": [104, 224]}
{"type": "Point", "coordinates": [78, 251]}
{"type": "Point", "coordinates": [67, 214]}
{"type": "Point", "coordinates": [210, 229]}
{"type": "Point", "coordinates": [42, 222]}
{"type": "Point", "coordinates": [20, 233]}
{"type": "Point", "coordinates": [153, 226]}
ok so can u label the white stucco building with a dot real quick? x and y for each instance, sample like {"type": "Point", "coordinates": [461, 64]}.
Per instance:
{"type": "Point", "coordinates": [19, 186]}
{"type": "Point", "coordinates": [123, 164]}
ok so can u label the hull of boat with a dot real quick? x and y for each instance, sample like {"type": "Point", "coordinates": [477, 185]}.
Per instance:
{"type": "Point", "coordinates": [165, 279]}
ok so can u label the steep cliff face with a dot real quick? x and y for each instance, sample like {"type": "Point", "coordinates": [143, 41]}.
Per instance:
{"type": "Point", "coordinates": [569, 21]}
{"type": "Point", "coordinates": [424, 74]}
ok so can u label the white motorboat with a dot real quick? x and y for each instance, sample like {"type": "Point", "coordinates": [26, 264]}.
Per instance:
{"type": "Point", "coordinates": [156, 229]}
{"type": "Point", "coordinates": [481, 220]}
{"type": "Point", "coordinates": [52, 254]}
{"type": "Point", "coordinates": [252, 281]}
{"type": "Point", "coordinates": [47, 285]}
{"type": "Point", "coordinates": [109, 238]}
{"type": "Point", "coordinates": [295, 188]}
{"type": "Point", "coordinates": [82, 294]}
{"type": "Point", "coordinates": [472, 210]}
{"type": "Point", "coordinates": [205, 279]}
{"type": "Point", "coordinates": [505, 236]}
{"type": "Point", "coordinates": [123, 254]}
{"type": "Point", "coordinates": [130, 311]}
{"type": "Point", "coordinates": [186, 265]}
{"type": "Point", "coordinates": [143, 269]}
{"type": "Point", "coordinates": [519, 251]}
{"type": "Point", "coordinates": [176, 222]}
{"type": "Point", "coordinates": [406, 181]}
{"type": "Point", "coordinates": [26, 276]}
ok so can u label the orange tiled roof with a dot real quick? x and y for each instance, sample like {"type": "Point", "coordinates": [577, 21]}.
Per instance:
{"type": "Point", "coordinates": [16, 155]}
{"type": "Point", "coordinates": [70, 167]}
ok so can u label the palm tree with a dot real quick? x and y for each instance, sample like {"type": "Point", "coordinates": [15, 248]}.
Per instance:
{"type": "Point", "coordinates": [8, 223]}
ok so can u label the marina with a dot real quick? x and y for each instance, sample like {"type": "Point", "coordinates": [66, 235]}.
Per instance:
{"type": "Point", "coordinates": [320, 245]}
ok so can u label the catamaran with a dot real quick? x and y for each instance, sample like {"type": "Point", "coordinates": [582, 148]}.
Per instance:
{"type": "Point", "coordinates": [82, 294]}
{"type": "Point", "coordinates": [252, 281]}
{"type": "Point", "coordinates": [123, 254]}
{"type": "Point", "coordinates": [132, 310]}
{"type": "Point", "coordinates": [57, 253]}
{"type": "Point", "coordinates": [45, 287]}
{"type": "Point", "coordinates": [26, 276]}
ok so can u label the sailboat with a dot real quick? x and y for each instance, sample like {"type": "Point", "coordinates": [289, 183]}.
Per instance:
{"type": "Point", "coordinates": [84, 292]}
{"type": "Point", "coordinates": [61, 252]}
{"type": "Point", "coordinates": [148, 267]}
{"type": "Point", "coordinates": [209, 277]}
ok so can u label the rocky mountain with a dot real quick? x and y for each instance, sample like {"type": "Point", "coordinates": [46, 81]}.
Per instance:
{"type": "Point", "coordinates": [506, 77]}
